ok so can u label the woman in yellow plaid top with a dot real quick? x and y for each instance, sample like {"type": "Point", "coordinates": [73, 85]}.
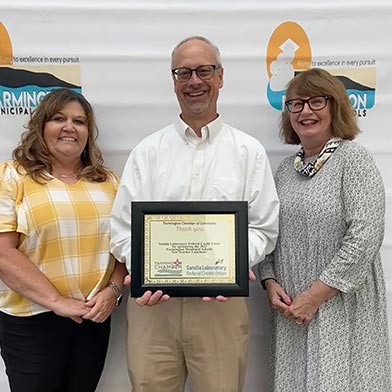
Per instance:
{"type": "Point", "coordinates": [58, 282]}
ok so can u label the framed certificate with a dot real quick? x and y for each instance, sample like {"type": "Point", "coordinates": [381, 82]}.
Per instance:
{"type": "Point", "coordinates": [190, 249]}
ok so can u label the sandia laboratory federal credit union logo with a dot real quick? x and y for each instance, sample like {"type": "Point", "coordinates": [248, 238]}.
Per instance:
{"type": "Point", "coordinates": [289, 52]}
{"type": "Point", "coordinates": [25, 80]}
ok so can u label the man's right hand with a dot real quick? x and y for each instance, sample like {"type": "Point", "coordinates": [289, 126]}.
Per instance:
{"type": "Point", "coordinates": [150, 299]}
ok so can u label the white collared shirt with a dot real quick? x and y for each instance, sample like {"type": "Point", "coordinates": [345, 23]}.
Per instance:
{"type": "Point", "coordinates": [174, 164]}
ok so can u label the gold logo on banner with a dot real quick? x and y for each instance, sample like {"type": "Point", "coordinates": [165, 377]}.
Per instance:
{"type": "Point", "coordinates": [6, 55]}
{"type": "Point", "coordinates": [289, 52]}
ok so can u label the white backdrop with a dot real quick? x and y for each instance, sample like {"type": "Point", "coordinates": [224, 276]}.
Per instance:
{"type": "Point", "coordinates": [123, 48]}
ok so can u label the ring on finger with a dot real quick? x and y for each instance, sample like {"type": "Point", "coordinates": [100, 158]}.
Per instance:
{"type": "Point", "coordinates": [298, 322]}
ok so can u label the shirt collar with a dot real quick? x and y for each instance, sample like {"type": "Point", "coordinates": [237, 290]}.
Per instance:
{"type": "Point", "coordinates": [187, 133]}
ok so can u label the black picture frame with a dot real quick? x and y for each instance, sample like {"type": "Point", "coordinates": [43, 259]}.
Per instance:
{"type": "Point", "coordinates": [166, 211]}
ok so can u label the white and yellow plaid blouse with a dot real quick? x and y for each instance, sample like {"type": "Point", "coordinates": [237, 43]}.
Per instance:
{"type": "Point", "coordinates": [64, 230]}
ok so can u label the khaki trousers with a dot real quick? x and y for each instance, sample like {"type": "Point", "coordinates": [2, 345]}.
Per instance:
{"type": "Point", "coordinates": [188, 337]}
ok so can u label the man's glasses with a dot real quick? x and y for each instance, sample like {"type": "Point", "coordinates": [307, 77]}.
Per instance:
{"type": "Point", "coordinates": [204, 72]}
{"type": "Point", "coordinates": [315, 103]}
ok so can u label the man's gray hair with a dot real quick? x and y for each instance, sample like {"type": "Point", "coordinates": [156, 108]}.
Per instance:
{"type": "Point", "coordinates": [200, 38]}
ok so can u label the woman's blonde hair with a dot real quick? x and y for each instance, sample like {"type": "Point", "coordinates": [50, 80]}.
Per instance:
{"type": "Point", "coordinates": [314, 82]}
{"type": "Point", "coordinates": [32, 153]}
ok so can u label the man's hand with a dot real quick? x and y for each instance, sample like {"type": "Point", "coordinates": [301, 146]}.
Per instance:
{"type": "Point", "coordinates": [150, 299]}
{"type": "Point", "coordinates": [221, 298]}
{"type": "Point", "coordinates": [127, 280]}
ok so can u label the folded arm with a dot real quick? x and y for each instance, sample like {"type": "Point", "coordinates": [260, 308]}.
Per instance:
{"type": "Point", "coordinates": [24, 277]}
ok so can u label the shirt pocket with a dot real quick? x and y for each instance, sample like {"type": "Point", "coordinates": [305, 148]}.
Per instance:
{"type": "Point", "coordinates": [227, 189]}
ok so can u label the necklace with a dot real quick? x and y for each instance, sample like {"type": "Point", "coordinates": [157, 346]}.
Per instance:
{"type": "Point", "coordinates": [62, 175]}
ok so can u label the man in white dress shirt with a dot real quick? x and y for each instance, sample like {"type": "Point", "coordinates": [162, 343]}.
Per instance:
{"type": "Point", "coordinates": [197, 158]}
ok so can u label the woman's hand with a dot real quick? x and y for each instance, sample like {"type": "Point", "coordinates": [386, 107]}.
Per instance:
{"type": "Point", "coordinates": [70, 307]}
{"type": "Point", "coordinates": [306, 304]}
{"type": "Point", "coordinates": [102, 305]}
{"type": "Point", "coordinates": [278, 298]}
{"type": "Point", "coordinates": [303, 308]}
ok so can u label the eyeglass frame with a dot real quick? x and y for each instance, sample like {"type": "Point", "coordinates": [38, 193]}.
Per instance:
{"type": "Point", "coordinates": [307, 101]}
{"type": "Point", "coordinates": [215, 67]}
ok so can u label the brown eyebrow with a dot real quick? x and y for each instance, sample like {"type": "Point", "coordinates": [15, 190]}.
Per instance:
{"type": "Point", "coordinates": [81, 117]}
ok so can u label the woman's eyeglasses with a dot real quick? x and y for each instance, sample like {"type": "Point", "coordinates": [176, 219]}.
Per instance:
{"type": "Point", "coordinates": [315, 103]}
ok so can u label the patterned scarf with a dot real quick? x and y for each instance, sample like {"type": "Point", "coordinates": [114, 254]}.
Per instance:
{"type": "Point", "coordinates": [311, 168]}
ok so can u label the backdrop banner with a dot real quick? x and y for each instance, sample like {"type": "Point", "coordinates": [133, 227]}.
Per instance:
{"type": "Point", "coordinates": [118, 55]}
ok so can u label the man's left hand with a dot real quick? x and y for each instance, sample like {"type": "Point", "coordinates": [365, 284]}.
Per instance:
{"type": "Point", "coordinates": [221, 298]}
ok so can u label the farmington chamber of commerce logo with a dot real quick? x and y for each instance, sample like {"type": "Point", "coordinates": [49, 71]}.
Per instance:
{"type": "Point", "coordinates": [171, 268]}
{"type": "Point", "coordinates": [25, 80]}
{"type": "Point", "coordinates": [289, 52]}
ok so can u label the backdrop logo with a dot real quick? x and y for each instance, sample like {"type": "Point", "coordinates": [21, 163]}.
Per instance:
{"type": "Point", "coordinates": [289, 52]}
{"type": "Point", "coordinates": [6, 55]}
{"type": "Point", "coordinates": [25, 80]}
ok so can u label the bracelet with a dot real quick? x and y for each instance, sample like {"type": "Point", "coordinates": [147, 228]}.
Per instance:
{"type": "Point", "coordinates": [117, 292]}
